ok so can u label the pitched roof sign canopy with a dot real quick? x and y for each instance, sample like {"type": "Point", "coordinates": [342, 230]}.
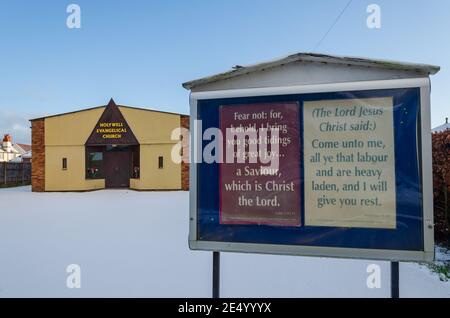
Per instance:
{"type": "Point", "coordinates": [112, 129]}
{"type": "Point", "coordinates": [238, 70]}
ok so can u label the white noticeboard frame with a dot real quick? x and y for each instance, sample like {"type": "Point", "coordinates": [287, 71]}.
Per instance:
{"type": "Point", "coordinates": [425, 160]}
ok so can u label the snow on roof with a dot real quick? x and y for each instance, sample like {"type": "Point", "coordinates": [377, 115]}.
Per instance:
{"type": "Point", "coordinates": [22, 148]}
{"type": "Point", "coordinates": [238, 70]}
{"type": "Point", "coordinates": [25, 147]}
{"type": "Point", "coordinates": [16, 160]}
{"type": "Point", "coordinates": [27, 155]}
{"type": "Point", "coordinates": [441, 128]}
{"type": "Point", "coordinates": [13, 150]}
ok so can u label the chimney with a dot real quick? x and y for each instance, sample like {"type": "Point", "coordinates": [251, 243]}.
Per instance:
{"type": "Point", "coordinates": [7, 143]}
{"type": "Point", "coordinates": [446, 120]}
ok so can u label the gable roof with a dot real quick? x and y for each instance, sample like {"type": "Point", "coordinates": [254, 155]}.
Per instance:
{"type": "Point", "coordinates": [238, 70]}
{"type": "Point", "coordinates": [24, 147]}
{"type": "Point", "coordinates": [104, 106]}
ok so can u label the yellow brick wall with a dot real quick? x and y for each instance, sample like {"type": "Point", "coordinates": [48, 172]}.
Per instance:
{"type": "Point", "coordinates": [72, 179]}
{"type": "Point", "coordinates": [65, 137]}
{"type": "Point", "coordinates": [71, 129]}
{"type": "Point", "coordinates": [153, 178]}
{"type": "Point", "coordinates": [153, 130]}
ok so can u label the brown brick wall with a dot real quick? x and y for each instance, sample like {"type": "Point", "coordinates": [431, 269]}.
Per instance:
{"type": "Point", "coordinates": [184, 123]}
{"type": "Point", "coordinates": [38, 151]}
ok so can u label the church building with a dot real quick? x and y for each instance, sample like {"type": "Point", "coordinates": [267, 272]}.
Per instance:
{"type": "Point", "coordinates": [107, 147]}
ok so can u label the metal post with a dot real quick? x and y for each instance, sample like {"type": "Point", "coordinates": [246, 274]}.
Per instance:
{"type": "Point", "coordinates": [216, 275]}
{"type": "Point", "coordinates": [395, 278]}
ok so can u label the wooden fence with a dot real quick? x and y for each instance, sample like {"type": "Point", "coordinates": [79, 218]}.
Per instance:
{"type": "Point", "coordinates": [15, 174]}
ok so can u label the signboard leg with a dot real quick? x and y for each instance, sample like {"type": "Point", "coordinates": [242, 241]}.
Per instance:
{"type": "Point", "coordinates": [395, 277]}
{"type": "Point", "coordinates": [216, 275]}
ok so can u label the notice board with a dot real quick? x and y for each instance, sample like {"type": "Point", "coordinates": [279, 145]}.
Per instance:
{"type": "Point", "coordinates": [255, 193]}
{"type": "Point", "coordinates": [349, 179]}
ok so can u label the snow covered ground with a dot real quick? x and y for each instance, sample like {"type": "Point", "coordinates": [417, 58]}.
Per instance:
{"type": "Point", "coordinates": [134, 244]}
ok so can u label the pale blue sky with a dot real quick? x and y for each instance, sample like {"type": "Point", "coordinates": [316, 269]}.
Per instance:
{"type": "Point", "coordinates": [139, 52]}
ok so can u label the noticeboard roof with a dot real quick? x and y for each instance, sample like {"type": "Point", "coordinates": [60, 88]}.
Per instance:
{"type": "Point", "coordinates": [423, 69]}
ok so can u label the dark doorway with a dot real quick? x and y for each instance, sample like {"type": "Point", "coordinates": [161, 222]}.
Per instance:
{"type": "Point", "coordinates": [117, 166]}
{"type": "Point", "coordinates": [114, 163]}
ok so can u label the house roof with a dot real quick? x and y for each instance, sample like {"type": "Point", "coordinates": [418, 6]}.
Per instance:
{"type": "Point", "coordinates": [18, 159]}
{"type": "Point", "coordinates": [25, 147]}
{"type": "Point", "coordinates": [28, 154]}
{"type": "Point", "coordinates": [238, 70]}
{"type": "Point", "coordinates": [13, 150]}
{"type": "Point", "coordinates": [104, 106]}
{"type": "Point", "coordinates": [441, 128]}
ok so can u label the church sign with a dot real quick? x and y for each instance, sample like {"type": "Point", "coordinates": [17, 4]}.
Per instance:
{"type": "Point", "coordinates": [112, 129]}
{"type": "Point", "coordinates": [352, 176]}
